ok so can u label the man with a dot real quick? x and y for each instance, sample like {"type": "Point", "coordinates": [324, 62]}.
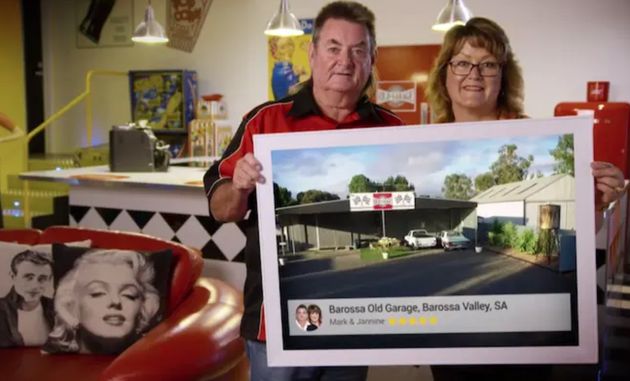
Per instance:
{"type": "Point", "coordinates": [341, 57]}
{"type": "Point", "coordinates": [26, 315]}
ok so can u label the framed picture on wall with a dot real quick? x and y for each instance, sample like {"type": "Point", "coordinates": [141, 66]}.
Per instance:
{"type": "Point", "coordinates": [287, 61]}
{"type": "Point", "coordinates": [103, 23]}
{"type": "Point", "coordinates": [476, 293]}
{"type": "Point", "coordinates": [403, 72]}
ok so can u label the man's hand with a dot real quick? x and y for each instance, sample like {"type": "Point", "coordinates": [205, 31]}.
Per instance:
{"type": "Point", "coordinates": [247, 174]}
{"type": "Point", "coordinates": [229, 200]}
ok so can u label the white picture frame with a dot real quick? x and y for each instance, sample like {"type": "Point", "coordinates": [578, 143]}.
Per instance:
{"type": "Point", "coordinates": [379, 345]}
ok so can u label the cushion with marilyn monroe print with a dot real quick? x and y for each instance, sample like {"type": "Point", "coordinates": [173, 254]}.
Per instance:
{"type": "Point", "coordinates": [26, 290]}
{"type": "Point", "coordinates": [106, 299]}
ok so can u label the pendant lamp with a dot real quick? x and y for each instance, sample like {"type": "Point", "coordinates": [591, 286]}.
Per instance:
{"type": "Point", "coordinates": [149, 31]}
{"type": "Point", "coordinates": [284, 23]}
{"type": "Point", "coordinates": [454, 13]}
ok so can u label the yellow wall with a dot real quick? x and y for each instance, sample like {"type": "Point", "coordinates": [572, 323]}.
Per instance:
{"type": "Point", "coordinates": [12, 92]}
{"type": "Point", "coordinates": [12, 96]}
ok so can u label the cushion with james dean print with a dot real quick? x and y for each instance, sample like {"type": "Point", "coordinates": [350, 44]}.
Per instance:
{"type": "Point", "coordinates": [26, 290]}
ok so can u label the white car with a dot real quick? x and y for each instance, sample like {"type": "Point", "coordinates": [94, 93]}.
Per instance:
{"type": "Point", "coordinates": [420, 238]}
{"type": "Point", "coordinates": [454, 240]}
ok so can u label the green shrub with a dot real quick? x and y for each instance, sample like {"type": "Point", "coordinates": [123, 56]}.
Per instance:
{"type": "Point", "coordinates": [510, 235]}
{"type": "Point", "coordinates": [495, 235]}
{"type": "Point", "coordinates": [495, 239]}
{"type": "Point", "coordinates": [527, 241]}
{"type": "Point", "coordinates": [387, 242]}
{"type": "Point", "coordinates": [497, 227]}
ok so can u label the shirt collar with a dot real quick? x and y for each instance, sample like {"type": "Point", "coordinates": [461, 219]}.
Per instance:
{"type": "Point", "coordinates": [304, 104]}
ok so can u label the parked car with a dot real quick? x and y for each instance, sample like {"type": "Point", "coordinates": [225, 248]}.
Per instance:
{"type": "Point", "coordinates": [454, 240]}
{"type": "Point", "coordinates": [420, 238]}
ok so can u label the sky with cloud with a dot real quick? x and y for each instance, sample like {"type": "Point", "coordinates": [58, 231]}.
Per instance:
{"type": "Point", "coordinates": [424, 164]}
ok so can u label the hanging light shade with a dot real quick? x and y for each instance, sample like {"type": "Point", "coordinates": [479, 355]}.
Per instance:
{"type": "Point", "coordinates": [284, 23]}
{"type": "Point", "coordinates": [149, 31]}
{"type": "Point", "coordinates": [454, 13]}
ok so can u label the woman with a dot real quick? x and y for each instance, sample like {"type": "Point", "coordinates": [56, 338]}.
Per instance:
{"type": "Point", "coordinates": [314, 317]}
{"type": "Point", "coordinates": [104, 303]}
{"type": "Point", "coordinates": [476, 78]}
{"type": "Point", "coordinates": [284, 74]}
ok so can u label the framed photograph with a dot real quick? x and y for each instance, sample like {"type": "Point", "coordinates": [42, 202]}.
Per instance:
{"type": "Point", "coordinates": [287, 61]}
{"type": "Point", "coordinates": [103, 23]}
{"type": "Point", "coordinates": [468, 272]}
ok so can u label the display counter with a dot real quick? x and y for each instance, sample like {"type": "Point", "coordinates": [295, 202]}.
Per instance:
{"type": "Point", "coordinates": [171, 205]}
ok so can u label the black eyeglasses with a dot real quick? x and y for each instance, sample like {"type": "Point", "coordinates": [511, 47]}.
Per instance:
{"type": "Point", "coordinates": [486, 69]}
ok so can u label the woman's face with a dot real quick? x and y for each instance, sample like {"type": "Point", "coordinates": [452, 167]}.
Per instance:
{"type": "Point", "coordinates": [473, 92]}
{"type": "Point", "coordinates": [109, 299]}
{"type": "Point", "coordinates": [301, 315]}
{"type": "Point", "coordinates": [314, 316]}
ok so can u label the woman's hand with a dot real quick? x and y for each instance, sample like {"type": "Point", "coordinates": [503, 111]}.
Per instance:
{"type": "Point", "coordinates": [609, 183]}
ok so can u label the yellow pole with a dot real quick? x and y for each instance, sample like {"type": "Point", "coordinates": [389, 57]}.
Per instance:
{"type": "Point", "coordinates": [85, 95]}
{"type": "Point", "coordinates": [54, 117]}
{"type": "Point", "coordinates": [88, 108]}
{"type": "Point", "coordinates": [26, 206]}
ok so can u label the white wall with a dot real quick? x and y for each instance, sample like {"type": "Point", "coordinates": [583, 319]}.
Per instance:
{"type": "Point", "coordinates": [508, 211]}
{"type": "Point", "coordinates": [561, 45]}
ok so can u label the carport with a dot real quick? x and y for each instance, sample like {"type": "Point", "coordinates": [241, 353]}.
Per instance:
{"type": "Point", "coordinates": [331, 225]}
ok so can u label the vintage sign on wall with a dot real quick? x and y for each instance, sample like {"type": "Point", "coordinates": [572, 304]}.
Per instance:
{"type": "Point", "coordinates": [104, 23]}
{"type": "Point", "coordinates": [185, 19]}
{"type": "Point", "coordinates": [402, 77]}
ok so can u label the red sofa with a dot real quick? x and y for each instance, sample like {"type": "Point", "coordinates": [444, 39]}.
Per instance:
{"type": "Point", "coordinates": [199, 339]}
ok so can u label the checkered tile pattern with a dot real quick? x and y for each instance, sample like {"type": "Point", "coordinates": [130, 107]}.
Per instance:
{"type": "Point", "coordinates": [218, 241]}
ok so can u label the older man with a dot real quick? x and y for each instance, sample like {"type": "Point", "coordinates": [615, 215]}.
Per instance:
{"type": "Point", "coordinates": [341, 57]}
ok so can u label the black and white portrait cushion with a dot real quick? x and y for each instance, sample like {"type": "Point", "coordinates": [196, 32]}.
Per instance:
{"type": "Point", "coordinates": [26, 290]}
{"type": "Point", "coordinates": [106, 299]}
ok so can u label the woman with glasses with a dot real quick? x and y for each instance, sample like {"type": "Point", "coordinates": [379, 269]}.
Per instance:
{"type": "Point", "coordinates": [475, 78]}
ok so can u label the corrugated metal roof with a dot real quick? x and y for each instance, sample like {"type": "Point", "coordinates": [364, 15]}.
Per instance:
{"type": "Point", "coordinates": [516, 191]}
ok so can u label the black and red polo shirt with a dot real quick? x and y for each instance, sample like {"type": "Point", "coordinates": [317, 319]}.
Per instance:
{"type": "Point", "coordinates": [295, 113]}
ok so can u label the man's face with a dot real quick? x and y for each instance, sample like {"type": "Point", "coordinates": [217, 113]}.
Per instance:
{"type": "Point", "coordinates": [30, 280]}
{"type": "Point", "coordinates": [341, 60]}
{"type": "Point", "coordinates": [301, 315]}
